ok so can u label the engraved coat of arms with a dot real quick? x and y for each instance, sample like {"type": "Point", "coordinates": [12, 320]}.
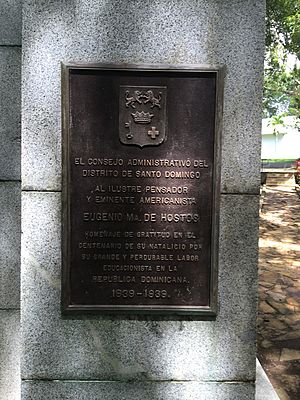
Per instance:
{"type": "Point", "coordinates": [142, 115]}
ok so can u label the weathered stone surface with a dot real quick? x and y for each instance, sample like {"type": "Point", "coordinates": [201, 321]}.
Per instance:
{"type": "Point", "coordinates": [281, 308]}
{"type": "Point", "coordinates": [273, 354]}
{"type": "Point", "coordinates": [10, 22]}
{"type": "Point", "coordinates": [10, 115]}
{"type": "Point", "coordinates": [278, 326]}
{"type": "Point", "coordinates": [278, 332]}
{"type": "Point", "coordinates": [293, 301]}
{"type": "Point", "coordinates": [266, 344]}
{"type": "Point", "coordinates": [278, 297]}
{"type": "Point", "coordinates": [283, 394]}
{"type": "Point", "coordinates": [141, 348]}
{"type": "Point", "coordinates": [290, 355]}
{"type": "Point", "coordinates": [292, 319]}
{"type": "Point", "coordinates": [10, 338]}
{"type": "Point", "coordinates": [129, 391]}
{"type": "Point", "coordinates": [213, 32]}
{"type": "Point", "coordinates": [265, 308]}
{"type": "Point", "coordinates": [265, 284]}
{"type": "Point", "coordinates": [10, 237]}
{"type": "Point", "coordinates": [288, 336]}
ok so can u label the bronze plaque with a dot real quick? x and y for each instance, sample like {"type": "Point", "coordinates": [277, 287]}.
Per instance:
{"type": "Point", "coordinates": [140, 188]}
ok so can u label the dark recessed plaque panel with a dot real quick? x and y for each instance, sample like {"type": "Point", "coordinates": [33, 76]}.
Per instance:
{"type": "Point", "coordinates": [140, 188]}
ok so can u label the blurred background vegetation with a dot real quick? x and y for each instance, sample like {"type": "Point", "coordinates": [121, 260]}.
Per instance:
{"type": "Point", "coordinates": [282, 61]}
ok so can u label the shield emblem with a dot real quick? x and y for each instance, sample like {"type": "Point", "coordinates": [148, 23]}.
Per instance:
{"type": "Point", "coordinates": [142, 115]}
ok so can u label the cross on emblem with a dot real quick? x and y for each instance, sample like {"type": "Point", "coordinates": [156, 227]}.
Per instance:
{"type": "Point", "coordinates": [153, 132]}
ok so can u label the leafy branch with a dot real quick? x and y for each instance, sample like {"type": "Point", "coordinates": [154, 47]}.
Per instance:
{"type": "Point", "coordinates": [282, 65]}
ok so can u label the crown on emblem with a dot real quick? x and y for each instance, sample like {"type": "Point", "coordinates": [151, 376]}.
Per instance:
{"type": "Point", "coordinates": [142, 117]}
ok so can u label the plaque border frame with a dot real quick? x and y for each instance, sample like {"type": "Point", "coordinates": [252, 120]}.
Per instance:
{"type": "Point", "coordinates": [203, 312]}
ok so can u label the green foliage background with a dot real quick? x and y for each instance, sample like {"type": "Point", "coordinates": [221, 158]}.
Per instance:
{"type": "Point", "coordinates": [282, 65]}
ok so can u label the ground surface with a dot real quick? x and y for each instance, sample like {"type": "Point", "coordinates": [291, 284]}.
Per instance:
{"type": "Point", "coordinates": [279, 290]}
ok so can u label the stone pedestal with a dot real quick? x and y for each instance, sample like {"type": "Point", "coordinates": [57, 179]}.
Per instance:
{"type": "Point", "coordinates": [149, 357]}
{"type": "Point", "coordinates": [10, 197]}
